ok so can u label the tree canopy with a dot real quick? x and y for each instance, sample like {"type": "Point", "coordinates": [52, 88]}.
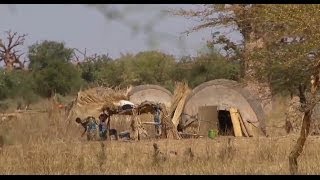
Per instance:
{"type": "Point", "coordinates": [279, 41]}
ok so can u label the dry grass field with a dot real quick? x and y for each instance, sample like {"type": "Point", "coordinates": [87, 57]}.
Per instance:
{"type": "Point", "coordinates": [241, 156]}
{"type": "Point", "coordinates": [39, 144]}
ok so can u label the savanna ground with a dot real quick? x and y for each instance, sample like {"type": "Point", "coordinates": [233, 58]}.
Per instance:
{"type": "Point", "coordinates": [45, 144]}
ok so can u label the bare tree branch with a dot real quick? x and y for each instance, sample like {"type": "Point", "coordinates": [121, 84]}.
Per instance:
{"type": "Point", "coordinates": [8, 53]}
{"type": "Point", "coordinates": [19, 40]}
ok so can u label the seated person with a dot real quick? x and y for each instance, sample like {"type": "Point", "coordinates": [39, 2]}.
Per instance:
{"type": "Point", "coordinates": [113, 132]}
{"type": "Point", "coordinates": [124, 135]}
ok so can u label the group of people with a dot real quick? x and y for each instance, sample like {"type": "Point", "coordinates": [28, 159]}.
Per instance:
{"type": "Point", "coordinates": [97, 130]}
{"type": "Point", "coordinates": [101, 130]}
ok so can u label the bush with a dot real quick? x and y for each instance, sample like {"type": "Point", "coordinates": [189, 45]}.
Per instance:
{"type": "Point", "coordinates": [212, 66]}
{"type": "Point", "coordinates": [18, 85]}
{"type": "Point", "coordinates": [57, 77]}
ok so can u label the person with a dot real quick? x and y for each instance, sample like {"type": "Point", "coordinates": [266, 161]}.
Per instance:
{"type": "Point", "coordinates": [114, 132]}
{"type": "Point", "coordinates": [157, 119]}
{"type": "Point", "coordinates": [124, 135]}
{"type": "Point", "coordinates": [104, 127]}
{"type": "Point", "coordinates": [90, 126]}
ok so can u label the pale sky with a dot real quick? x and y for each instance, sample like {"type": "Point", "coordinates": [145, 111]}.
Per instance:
{"type": "Point", "coordinates": [81, 26]}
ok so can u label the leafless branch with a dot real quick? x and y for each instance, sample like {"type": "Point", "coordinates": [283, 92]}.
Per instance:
{"type": "Point", "coordinates": [8, 54]}
{"type": "Point", "coordinates": [13, 43]}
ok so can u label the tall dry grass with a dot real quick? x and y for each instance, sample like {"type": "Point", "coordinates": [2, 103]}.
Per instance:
{"type": "Point", "coordinates": [43, 144]}
{"type": "Point", "coordinates": [243, 156]}
{"type": "Point", "coordinates": [275, 121]}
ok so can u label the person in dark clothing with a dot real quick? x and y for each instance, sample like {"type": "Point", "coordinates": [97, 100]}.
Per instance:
{"type": "Point", "coordinates": [104, 127]}
{"type": "Point", "coordinates": [114, 132]}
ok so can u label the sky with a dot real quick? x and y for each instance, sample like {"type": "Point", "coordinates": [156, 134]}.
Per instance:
{"type": "Point", "coordinates": [83, 26]}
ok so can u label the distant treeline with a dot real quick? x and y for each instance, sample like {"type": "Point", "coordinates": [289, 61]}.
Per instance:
{"type": "Point", "coordinates": [55, 68]}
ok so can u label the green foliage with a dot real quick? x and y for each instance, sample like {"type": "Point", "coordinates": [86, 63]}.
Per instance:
{"type": "Point", "coordinates": [90, 68]}
{"type": "Point", "coordinates": [286, 65]}
{"type": "Point", "coordinates": [109, 74]}
{"type": "Point", "coordinates": [263, 27]}
{"type": "Point", "coordinates": [41, 54]}
{"type": "Point", "coordinates": [153, 68]}
{"type": "Point", "coordinates": [17, 85]}
{"type": "Point", "coordinates": [211, 66]}
{"type": "Point", "coordinates": [21, 86]}
{"type": "Point", "coordinates": [3, 86]}
{"type": "Point", "coordinates": [52, 70]}
{"type": "Point", "coordinates": [149, 67]}
{"type": "Point", "coordinates": [57, 77]}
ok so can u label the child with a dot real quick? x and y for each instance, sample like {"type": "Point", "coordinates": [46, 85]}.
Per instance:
{"type": "Point", "coordinates": [90, 126]}
{"type": "Point", "coordinates": [104, 127]}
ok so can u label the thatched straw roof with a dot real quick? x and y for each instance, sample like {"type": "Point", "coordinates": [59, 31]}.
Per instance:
{"type": "Point", "coordinates": [106, 96]}
{"type": "Point", "coordinates": [91, 101]}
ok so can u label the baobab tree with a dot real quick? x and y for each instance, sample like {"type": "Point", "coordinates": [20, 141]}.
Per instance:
{"type": "Point", "coordinates": [9, 53]}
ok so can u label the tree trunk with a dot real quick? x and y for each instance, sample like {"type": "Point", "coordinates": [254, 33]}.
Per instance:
{"type": "Point", "coordinates": [297, 149]}
{"type": "Point", "coordinates": [305, 129]}
{"type": "Point", "coordinates": [9, 66]}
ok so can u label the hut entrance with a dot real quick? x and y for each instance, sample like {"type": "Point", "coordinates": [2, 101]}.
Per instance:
{"type": "Point", "coordinates": [208, 119]}
{"type": "Point", "coordinates": [211, 118]}
{"type": "Point", "coordinates": [225, 125]}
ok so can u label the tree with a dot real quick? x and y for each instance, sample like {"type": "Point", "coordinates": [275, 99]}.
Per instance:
{"type": "Point", "coordinates": [90, 65]}
{"type": "Point", "coordinates": [110, 74]}
{"type": "Point", "coordinates": [57, 77]}
{"type": "Point", "coordinates": [41, 54]}
{"type": "Point", "coordinates": [3, 87]}
{"type": "Point", "coordinates": [287, 54]}
{"type": "Point", "coordinates": [292, 46]}
{"type": "Point", "coordinates": [8, 52]}
{"type": "Point", "coordinates": [281, 44]}
{"type": "Point", "coordinates": [153, 67]}
{"type": "Point", "coordinates": [20, 86]}
{"type": "Point", "coordinates": [52, 69]}
{"type": "Point", "coordinates": [211, 66]}
{"type": "Point", "coordinates": [182, 68]}
{"type": "Point", "coordinates": [238, 18]}
{"type": "Point", "coordinates": [150, 67]}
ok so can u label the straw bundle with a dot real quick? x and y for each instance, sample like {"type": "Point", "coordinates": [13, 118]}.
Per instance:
{"type": "Point", "coordinates": [107, 96]}
{"type": "Point", "coordinates": [180, 95]}
{"type": "Point", "coordinates": [92, 101]}
{"type": "Point", "coordinates": [168, 129]}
